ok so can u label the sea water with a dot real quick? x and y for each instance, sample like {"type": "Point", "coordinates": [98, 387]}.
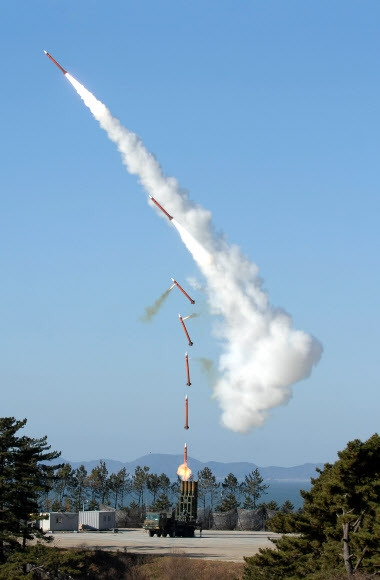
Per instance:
{"type": "Point", "coordinates": [280, 491]}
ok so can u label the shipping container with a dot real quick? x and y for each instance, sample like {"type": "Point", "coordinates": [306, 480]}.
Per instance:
{"type": "Point", "coordinates": [97, 520]}
{"type": "Point", "coordinates": [59, 522]}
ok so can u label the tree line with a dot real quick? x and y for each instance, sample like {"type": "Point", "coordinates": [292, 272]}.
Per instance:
{"type": "Point", "coordinates": [76, 489]}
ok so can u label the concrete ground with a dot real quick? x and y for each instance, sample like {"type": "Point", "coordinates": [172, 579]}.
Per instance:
{"type": "Point", "coordinates": [212, 545]}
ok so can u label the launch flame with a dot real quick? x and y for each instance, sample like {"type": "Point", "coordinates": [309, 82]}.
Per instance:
{"type": "Point", "coordinates": [262, 355]}
{"type": "Point", "coordinates": [184, 472]}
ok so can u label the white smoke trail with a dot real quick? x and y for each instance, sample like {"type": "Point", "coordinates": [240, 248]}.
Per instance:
{"type": "Point", "coordinates": [193, 315]}
{"type": "Point", "coordinates": [262, 355]}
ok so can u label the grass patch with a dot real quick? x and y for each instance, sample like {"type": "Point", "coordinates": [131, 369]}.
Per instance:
{"type": "Point", "coordinates": [180, 566]}
{"type": "Point", "coordinates": [96, 564]}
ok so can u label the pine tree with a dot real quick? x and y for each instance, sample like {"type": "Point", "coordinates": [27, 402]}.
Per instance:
{"type": "Point", "coordinates": [62, 485]}
{"type": "Point", "coordinates": [24, 477]}
{"type": "Point", "coordinates": [270, 505]}
{"type": "Point", "coordinates": [230, 490]}
{"type": "Point", "coordinates": [165, 484]}
{"type": "Point", "coordinates": [207, 486]}
{"type": "Point", "coordinates": [117, 484]}
{"type": "Point", "coordinates": [97, 482]}
{"type": "Point", "coordinates": [162, 503]}
{"type": "Point", "coordinates": [339, 528]}
{"type": "Point", "coordinates": [253, 487]}
{"type": "Point", "coordinates": [287, 507]}
{"type": "Point", "coordinates": [139, 482]}
{"type": "Point", "coordinates": [153, 484]}
{"type": "Point", "coordinates": [79, 488]}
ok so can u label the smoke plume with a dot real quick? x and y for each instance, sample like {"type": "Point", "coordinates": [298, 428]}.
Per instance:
{"type": "Point", "coordinates": [208, 369]}
{"type": "Point", "coordinates": [151, 311]}
{"type": "Point", "coordinates": [262, 355]}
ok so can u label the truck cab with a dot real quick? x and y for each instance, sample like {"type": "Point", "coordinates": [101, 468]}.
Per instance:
{"type": "Point", "coordinates": [159, 523]}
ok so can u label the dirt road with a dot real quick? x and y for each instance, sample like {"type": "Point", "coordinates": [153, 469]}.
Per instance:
{"type": "Point", "coordinates": [213, 545]}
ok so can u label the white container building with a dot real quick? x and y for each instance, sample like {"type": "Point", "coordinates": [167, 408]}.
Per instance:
{"type": "Point", "coordinates": [59, 522]}
{"type": "Point", "coordinates": [97, 520]}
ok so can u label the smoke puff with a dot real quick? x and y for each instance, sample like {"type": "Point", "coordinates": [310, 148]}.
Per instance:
{"type": "Point", "coordinates": [151, 311]}
{"type": "Point", "coordinates": [262, 355]}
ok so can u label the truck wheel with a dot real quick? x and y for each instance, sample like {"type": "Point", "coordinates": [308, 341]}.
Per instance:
{"type": "Point", "coordinates": [151, 533]}
{"type": "Point", "coordinates": [171, 534]}
{"type": "Point", "coordinates": [164, 534]}
{"type": "Point", "coordinates": [158, 534]}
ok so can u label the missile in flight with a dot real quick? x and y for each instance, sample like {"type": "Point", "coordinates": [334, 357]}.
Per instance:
{"type": "Point", "coordinates": [183, 291]}
{"type": "Point", "coordinates": [183, 471]}
{"type": "Point", "coordinates": [157, 204]}
{"type": "Point", "coordinates": [186, 413]}
{"type": "Point", "coordinates": [185, 330]}
{"type": "Point", "coordinates": [56, 63]}
{"type": "Point", "coordinates": [187, 369]}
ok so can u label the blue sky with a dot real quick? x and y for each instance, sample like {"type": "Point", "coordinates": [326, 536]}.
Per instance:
{"type": "Point", "coordinates": [267, 113]}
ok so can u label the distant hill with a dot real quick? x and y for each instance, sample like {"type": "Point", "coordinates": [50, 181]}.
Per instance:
{"type": "Point", "coordinates": [164, 463]}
